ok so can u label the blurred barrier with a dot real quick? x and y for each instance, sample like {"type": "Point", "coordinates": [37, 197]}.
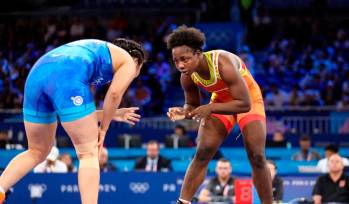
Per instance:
{"type": "Point", "coordinates": [125, 159]}
{"type": "Point", "coordinates": [125, 188]}
{"type": "Point", "coordinates": [309, 120]}
{"type": "Point", "coordinates": [326, 124]}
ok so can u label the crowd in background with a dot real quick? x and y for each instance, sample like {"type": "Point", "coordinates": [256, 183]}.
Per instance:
{"type": "Point", "coordinates": [23, 41]}
{"type": "Point", "coordinates": [302, 60]}
{"type": "Point", "coordinates": [297, 61]}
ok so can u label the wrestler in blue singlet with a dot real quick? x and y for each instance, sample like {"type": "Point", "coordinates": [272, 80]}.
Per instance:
{"type": "Point", "coordinates": [58, 83]}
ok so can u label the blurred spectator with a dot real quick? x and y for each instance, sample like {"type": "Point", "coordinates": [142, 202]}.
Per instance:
{"type": "Point", "coordinates": [311, 98]}
{"type": "Point", "coordinates": [68, 161]}
{"type": "Point", "coordinates": [278, 140]}
{"type": "Point", "coordinates": [342, 41]}
{"type": "Point", "coordinates": [161, 69]}
{"type": "Point", "coordinates": [155, 106]}
{"type": "Point", "coordinates": [77, 29]}
{"type": "Point", "coordinates": [51, 164]}
{"type": "Point", "coordinates": [4, 139]}
{"type": "Point", "coordinates": [104, 164]}
{"type": "Point", "coordinates": [299, 52]}
{"type": "Point", "coordinates": [140, 95]}
{"type": "Point", "coordinates": [248, 58]}
{"type": "Point", "coordinates": [330, 150]}
{"type": "Point", "coordinates": [50, 30]}
{"type": "Point", "coordinates": [262, 31]}
{"type": "Point", "coordinates": [221, 187]}
{"type": "Point", "coordinates": [112, 31]}
{"type": "Point", "coordinates": [277, 97]}
{"type": "Point", "coordinates": [343, 104]}
{"type": "Point", "coordinates": [8, 98]}
{"type": "Point", "coordinates": [295, 97]}
{"type": "Point", "coordinates": [334, 186]}
{"type": "Point", "coordinates": [306, 153]}
{"type": "Point", "coordinates": [178, 138]}
{"type": "Point", "coordinates": [328, 93]}
{"type": "Point", "coordinates": [345, 127]}
{"type": "Point", "coordinates": [277, 182]}
{"type": "Point", "coordinates": [153, 162]}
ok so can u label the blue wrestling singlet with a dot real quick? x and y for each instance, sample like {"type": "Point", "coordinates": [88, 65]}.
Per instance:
{"type": "Point", "coordinates": [59, 82]}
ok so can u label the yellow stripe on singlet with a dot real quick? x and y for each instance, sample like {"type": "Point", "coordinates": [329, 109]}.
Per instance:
{"type": "Point", "coordinates": [210, 57]}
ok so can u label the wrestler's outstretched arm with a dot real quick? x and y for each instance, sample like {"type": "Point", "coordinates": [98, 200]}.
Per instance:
{"type": "Point", "coordinates": [126, 115]}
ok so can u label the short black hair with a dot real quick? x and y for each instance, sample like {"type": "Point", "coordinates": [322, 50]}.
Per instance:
{"type": "Point", "coordinates": [133, 48]}
{"type": "Point", "coordinates": [153, 142]}
{"type": "Point", "coordinates": [189, 36]}
{"type": "Point", "coordinates": [332, 148]}
{"type": "Point", "coordinates": [181, 127]}
{"type": "Point", "coordinates": [304, 137]}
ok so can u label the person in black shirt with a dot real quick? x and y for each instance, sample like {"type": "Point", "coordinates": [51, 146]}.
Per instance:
{"type": "Point", "coordinates": [153, 161]}
{"type": "Point", "coordinates": [4, 139]}
{"type": "Point", "coordinates": [277, 182]}
{"type": "Point", "coordinates": [333, 186]}
{"type": "Point", "coordinates": [278, 140]}
{"type": "Point", "coordinates": [221, 187]}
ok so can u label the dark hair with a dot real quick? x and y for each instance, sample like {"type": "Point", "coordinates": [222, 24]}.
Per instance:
{"type": "Point", "coordinates": [133, 48]}
{"type": "Point", "coordinates": [304, 137]}
{"type": "Point", "coordinates": [332, 148]}
{"type": "Point", "coordinates": [182, 128]}
{"type": "Point", "coordinates": [153, 142]}
{"type": "Point", "coordinates": [278, 131]}
{"type": "Point", "coordinates": [189, 36]}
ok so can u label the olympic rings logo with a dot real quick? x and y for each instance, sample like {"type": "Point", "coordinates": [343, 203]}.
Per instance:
{"type": "Point", "coordinates": [40, 186]}
{"type": "Point", "coordinates": [139, 187]}
{"type": "Point", "coordinates": [37, 190]}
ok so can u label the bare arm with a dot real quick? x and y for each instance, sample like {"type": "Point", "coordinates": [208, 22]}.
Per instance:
{"type": "Point", "coordinates": [126, 115]}
{"type": "Point", "coordinates": [191, 94]}
{"type": "Point", "coordinates": [192, 100]}
{"type": "Point", "coordinates": [122, 78]}
{"type": "Point", "coordinates": [228, 69]}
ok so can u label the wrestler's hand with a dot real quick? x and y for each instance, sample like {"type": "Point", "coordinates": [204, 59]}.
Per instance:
{"type": "Point", "coordinates": [201, 113]}
{"type": "Point", "coordinates": [101, 137]}
{"type": "Point", "coordinates": [176, 113]}
{"type": "Point", "coordinates": [127, 115]}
